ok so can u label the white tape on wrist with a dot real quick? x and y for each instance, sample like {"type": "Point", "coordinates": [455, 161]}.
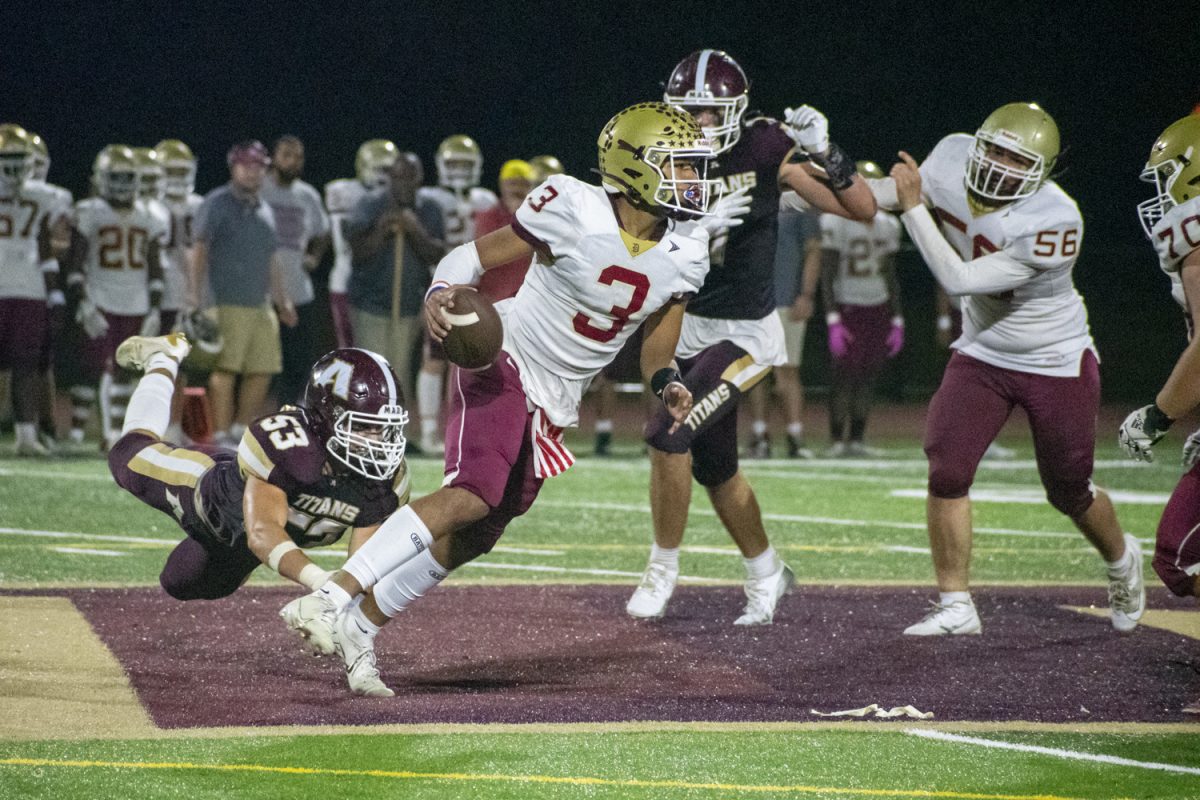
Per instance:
{"type": "Point", "coordinates": [279, 551]}
{"type": "Point", "coordinates": [313, 576]}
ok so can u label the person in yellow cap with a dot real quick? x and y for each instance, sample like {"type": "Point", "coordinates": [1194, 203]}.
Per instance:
{"type": "Point", "coordinates": [517, 177]}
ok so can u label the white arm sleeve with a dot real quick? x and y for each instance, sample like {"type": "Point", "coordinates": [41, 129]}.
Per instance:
{"type": "Point", "coordinates": [884, 190]}
{"type": "Point", "coordinates": [995, 272]}
{"type": "Point", "coordinates": [460, 266]}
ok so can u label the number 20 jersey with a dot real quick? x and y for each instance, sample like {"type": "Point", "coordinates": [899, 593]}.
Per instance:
{"type": "Point", "coordinates": [1040, 326]}
{"type": "Point", "coordinates": [115, 268]}
{"type": "Point", "coordinates": [588, 289]}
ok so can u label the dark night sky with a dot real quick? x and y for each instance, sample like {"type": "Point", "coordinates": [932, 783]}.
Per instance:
{"type": "Point", "coordinates": [544, 77]}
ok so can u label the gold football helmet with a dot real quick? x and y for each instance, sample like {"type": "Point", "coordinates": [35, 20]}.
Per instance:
{"type": "Point", "coordinates": [459, 163]}
{"type": "Point", "coordinates": [637, 142]}
{"type": "Point", "coordinates": [1023, 130]}
{"type": "Point", "coordinates": [16, 156]}
{"type": "Point", "coordinates": [1174, 169]}
{"type": "Point", "coordinates": [869, 169]}
{"type": "Point", "coordinates": [372, 161]}
{"type": "Point", "coordinates": [115, 174]}
{"type": "Point", "coordinates": [545, 166]}
{"type": "Point", "coordinates": [179, 168]}
{"type": "Point", "coordinates": [150, 173]}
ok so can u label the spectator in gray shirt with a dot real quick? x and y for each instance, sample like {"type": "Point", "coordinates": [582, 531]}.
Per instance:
{"type": "Point", "coordinates": [234, 253]}
{"type": "Point", "coordinates": [302, 230]}
{"type": "Point", "coordinates": [387, 314]}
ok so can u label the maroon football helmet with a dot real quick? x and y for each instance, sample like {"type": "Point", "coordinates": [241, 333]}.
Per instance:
{"type": "Point", "coordinates": [353, 401]}
{"type": "Point", "coordinates": [711, 79]}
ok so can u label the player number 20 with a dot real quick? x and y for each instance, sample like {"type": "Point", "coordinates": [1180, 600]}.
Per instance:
{"type": "Point", "coordinates": [286, 432]}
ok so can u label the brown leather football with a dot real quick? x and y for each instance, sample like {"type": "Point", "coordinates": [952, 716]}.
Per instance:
{"type": "Point", "coordinates": [476, 333]}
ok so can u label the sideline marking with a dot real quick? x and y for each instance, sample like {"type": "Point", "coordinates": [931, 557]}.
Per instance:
{"type": "Point", "coordinates": [87, 551]}
{"type": "Point", "coordinates": [1075, 755]}
{"type": "Point", "coordinates": [1184, 623]}
{"type": "Point", "coordinates": [534, 779]}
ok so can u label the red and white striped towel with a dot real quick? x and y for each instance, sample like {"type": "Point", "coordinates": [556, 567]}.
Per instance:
{"type": "Point", "coordinates": [550, 456]}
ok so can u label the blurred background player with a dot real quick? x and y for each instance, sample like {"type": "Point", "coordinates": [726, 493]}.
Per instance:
{"type": "Point", "coordinates": [731, 335]}
{"type": "Point", "coordinates": [114, 270]}
{"type": "Point", "coordinates": [302, 232]}
{"type": "Point", "coordinates": [797, 277]}
{"type": "Point", "coordinates": [29, 284]}
{"type": "Point", "coordinates": [459, 164]}
{"type": "Point", "coordinates": [862, 313]}
{"type": "Point", "coordinates": [517, 178]}
{"type": "Point", "coordinates": [1171, 219]}
{"type": "Point", "coordinates": [1007, 244]}
{"type": "Point", "coordinates": [371, 163]}
{"type": "Point", "coordinates": [149, 195]}
{"type": "Point", "coordinates": [545, 166]}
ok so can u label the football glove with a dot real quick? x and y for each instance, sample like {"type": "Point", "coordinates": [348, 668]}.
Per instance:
{"type": "Point", "coordinates": [839, 335]}
{"type": "Point", "coordinates": [151, 323]}
{"type": "Point", "coordinates": [1191, 450]}
{"type": "Point", "coordinates": [727, 211]}
{"type": "Point", "coordinates": [808, 128]}
{"type": "Point", "coordinates": [895, 337]}
{"type": "Point", "coordinates": [91, 318]}
{"type": "Point", "coordinates": [1141, 430]}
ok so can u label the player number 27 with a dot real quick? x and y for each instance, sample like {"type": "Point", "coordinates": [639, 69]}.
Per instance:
{"type": "Point", "coordinates": [285, 431]}
{"type": "Point", "coordinates": [621, 314]}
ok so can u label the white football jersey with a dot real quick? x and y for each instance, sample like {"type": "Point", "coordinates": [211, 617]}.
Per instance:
{"type": "Point", "coordinates": [1041, 326]}
{"type": "Point", "coordinates": [341, 196]}
{"type": "Point", "coordinates": [588, 289]}
{"type": "Point", "coordinates": [1175, 236]}
{"type": "Point", "coordinates": [458, 212]}
{"type": "Point", "coordinates": [175, 252]}
{"type": "Point", "coordinates": [63, 202]}
{"type": "Point", "coordinates": [22, 217]}
{"type": "Point", "coordinates": [862, 249]}
{"type": "Point", "coordinates": [115, 269]}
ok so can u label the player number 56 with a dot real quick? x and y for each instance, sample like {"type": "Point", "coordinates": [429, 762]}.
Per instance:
{"type": "Point", "coordinates": [1047, 243]}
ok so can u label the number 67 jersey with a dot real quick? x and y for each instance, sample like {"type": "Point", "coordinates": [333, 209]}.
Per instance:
{"type": "Point", "coordinates": [588, 289]}
{"type": "Point", "coordinates": [1040, 326]}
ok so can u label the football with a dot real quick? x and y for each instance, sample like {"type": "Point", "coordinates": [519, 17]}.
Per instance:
{"type": "Point", "coordinates": [476, 333]}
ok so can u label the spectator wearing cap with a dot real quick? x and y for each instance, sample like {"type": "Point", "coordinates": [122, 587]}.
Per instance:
{"type": "Point", "coordinates": [395, 241]}
{"type": "Point", "coordinates": [302, 231]}
{"type": "Point", "coordinates": [517, 178]}
{"type": "Point", "coordinates": [235, 255]}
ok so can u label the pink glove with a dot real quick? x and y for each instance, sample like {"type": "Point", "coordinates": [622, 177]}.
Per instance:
{"type": "Point", "coordinates": [839, 335]}
{"type": "Point", "coordinates": [895, 337]}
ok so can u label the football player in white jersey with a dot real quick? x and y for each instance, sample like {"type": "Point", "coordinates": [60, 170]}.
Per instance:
{"type": "Point", "coordinates": [181, 201]}
{"type": "Point", "coordinates": [459, 163]}
{"type": "Point", "coordinates": [114, 268]}
{"type": "Point", "coordinates": [374, 158]}
{"type": "Point", "coordinates": [1007, 244]}
{"type": "Point", "coordinates": [606, 260]}
{"type": "Point", "coordinates": [29, 288]}
{"type": "Point", "coordinates": [150, 194]}
{"type": "Point", "coordinates": [865, 323]}
{"type": "Point", "coordinates": [1171, 220]}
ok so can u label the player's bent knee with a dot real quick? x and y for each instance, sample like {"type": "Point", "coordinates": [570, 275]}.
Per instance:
{"type": "Point", "coordinates": [194, 589]}
{"type": "Point", "coordinates": [1175, 577]}
{"type": "Point", "coordinates": [713, 472]}
{"type": "Point", "coordinates": [1073, 501]}
{"type": "Point", "coordinates": [123, 451]}
{"type": "Point", "coordinates": [658, 436]}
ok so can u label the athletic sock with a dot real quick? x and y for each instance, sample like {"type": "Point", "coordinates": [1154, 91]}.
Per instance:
{"type": "Point", "coordinates": [763, 565]}
{"type": "Point", "coordinates": [366, 629]}
{"type": "Point", "coordinates": [1122, 564]}
{"type": "Point", "coordinates": [429, 401]}
{"type": "Point", "coordinates": [402, 536]}
{"type": "Point", "coordinates": [946, 598]}
{"type": "Point", "coordinates": [413, 579]}
{"type": "Point", "coordinates": [604, 426]}
{"type": "Point", "coordinates": [26, 432]}
{"type": "Point", "coordinates": [665, 556]}
{"type": "Point", "coordinates": [162, 361]}
{"type": "Point", "coordinates": [795, 430]}
{"type": "Point", "coordinates": [150, 406]}
{"type": "Point", "coordinates": [759, 427]}
{"type": "Point", "coordinates": [340, 597]}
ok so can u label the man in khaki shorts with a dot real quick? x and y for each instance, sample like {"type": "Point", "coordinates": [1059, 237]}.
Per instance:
{"type": "Point", "coordinates": [235, 256]}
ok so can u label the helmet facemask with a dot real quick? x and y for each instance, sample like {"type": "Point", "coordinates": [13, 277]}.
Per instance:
{"type": "Point", "coordinates": [993, 179]}
{"type": "Point", "coordinates": [371, 445]}
{"type": "Point", "coordinates": [459, 172]}
{"type": "Point", "coordinates": [685, 197]}
{"type": "Point", "coordinates": [14, 169]}
{"type": "Point", "coordinates": [724, 134]}
{"type": "Point", "coordinates": [179, 179]}
{"type": "Point", "coordinates": [118, 186]}
{"type": "Point", "coordinates": [150, 183]}
{"type": "Point", "coordinates": [1163, 175]}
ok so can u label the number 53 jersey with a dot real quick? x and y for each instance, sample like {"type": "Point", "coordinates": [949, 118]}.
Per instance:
{"type": "Point", "coordinates": [323, 502]}
{"type": "Point", "coordinates": [1040, 326]}
{"type": "Point", "coordinates": [589, 287]}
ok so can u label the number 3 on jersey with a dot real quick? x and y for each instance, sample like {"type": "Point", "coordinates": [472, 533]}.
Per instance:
{"type": "Point", "coordinates": [621, 314]}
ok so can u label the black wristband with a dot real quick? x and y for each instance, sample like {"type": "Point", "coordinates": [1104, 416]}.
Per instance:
{"type": "Point", "coordinates": [1157, 420]}
{"type": "Point", "coordinates": [661, 379]}
{"type": "Point", "coordinates": [837, 165]}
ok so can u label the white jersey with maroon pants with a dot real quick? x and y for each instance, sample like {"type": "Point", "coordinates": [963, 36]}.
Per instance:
{"type": "Point", "coordinates": [1026, 343]}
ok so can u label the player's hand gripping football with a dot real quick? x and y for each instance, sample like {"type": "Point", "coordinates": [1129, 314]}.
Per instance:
{"type": "Point", "coordinates": [678, 400]}
{"type": "Point", "coordinates": [907, 176]}
{"type": "Point", "coordinates": [436, 304]}
{"type": "Point", "coordinates": [1141, 430]}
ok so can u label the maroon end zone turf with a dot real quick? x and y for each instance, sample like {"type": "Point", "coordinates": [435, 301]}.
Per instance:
{"type": "Point", "coordinates": [569, 654]}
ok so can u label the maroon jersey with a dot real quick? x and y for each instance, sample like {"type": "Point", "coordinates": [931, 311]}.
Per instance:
{"type": "Point", "coordinates": [741, 282]}
{"type": "Point", "coordinates": [323, 501]}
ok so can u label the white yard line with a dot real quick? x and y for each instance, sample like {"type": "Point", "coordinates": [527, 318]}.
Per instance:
{"type": "Point", "coordinates": [1037, 496]}
{"type": "Point", "coordinates": [100, 537]}
{"type": "Point", "coordinates": [581, 571]}
{"type": "Point", "coordinates": [1056, 752]}
{"type": "Point", "coordinates": [87, 551]}
{"type": "Point", "coordinates": [858, 464]}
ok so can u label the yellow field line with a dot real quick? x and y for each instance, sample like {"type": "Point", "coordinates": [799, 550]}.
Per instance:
{"type": "Point", "coordinates": [532, 779]}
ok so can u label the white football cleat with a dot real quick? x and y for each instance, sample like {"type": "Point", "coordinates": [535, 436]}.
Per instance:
{"type": "Point", "coordinates": [649, 601]}
{"type": "Point", "coordinates": [763, 595]}
{"type": "Point", "coordinates": [356, 648]}
{"type": "Point", "coordinates": [836, 450]}
{"type": "Point", "coordinates": [1127, 592]}
{"type": "Point", "coordinates": [313, 616]}
{"type": "Point", "coordinates": [134, 352]}
{"type": "Point", "coordinates": [951, 619]}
